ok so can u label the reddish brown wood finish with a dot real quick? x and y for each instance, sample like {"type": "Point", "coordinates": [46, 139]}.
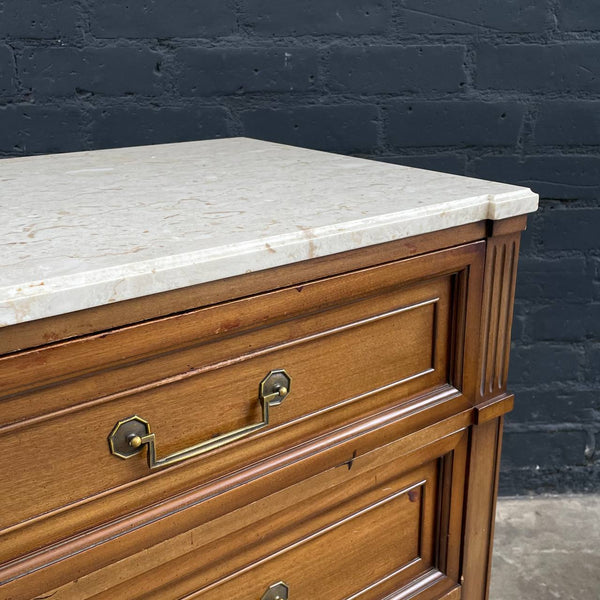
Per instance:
{"type": "Point", "coordinates": [376, 475]}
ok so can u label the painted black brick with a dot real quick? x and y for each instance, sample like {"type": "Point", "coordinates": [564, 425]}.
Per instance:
{"type": "Point", "coordinates": [572, 66]}
{"type": "Point", "coordinates": [567, 278]}
{"type": "Point", "coordinates": [162, 18]}
{"type": "Point", "coordinates": [113, 71]}
{"type": "Point", "coordinates": [595, 267]}
{"type": "Point", "coordinates": [38, 19]}
{"type": "Point", "coordinates": [7, 71]}
{"type": "Point", "coordinates": [566, 176]}
{"type": "Point", "coordinates": [573, 229]}
{"type": "Point", "coordinates": [566, 322]}
{"type": "Point", "coordinates": [343, 17]}
{"type": "Point", "coordinates": [133, 126]}
{"type": "Point", "coordinates": [446, 162]}
{"type": "Point", "coordinates": [579, 15]}
{"type": "Point", "coordinates": [204, 72]}
{"type": "Point", "coordinates": [454, 123]}
{"type": "Point", "coordinates": [551, 406]}
{"type": "Point", "coordinates": [544, 363]}
{"type": "Point", "coordinates": [20, 126]}
{"type": "Point", "coordinates": [335, 128]}
{"type": "Point", "coordinates": [593, 357]}
{"type": "Point", "coordinates": [543, 449]}
{"type": "Point", "coordinates": [568, 123]}
{"type": "Point", "coordinates": [520, 314]}
{"type": "Point", "coordinates": [394, 69]}
{"type": "Point", "coordinates": [473, 16]}
{"type": "Point", "coordinates": [561, 479]}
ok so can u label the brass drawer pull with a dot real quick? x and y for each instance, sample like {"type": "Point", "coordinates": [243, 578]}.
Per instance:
{"type": "Point", "coordinates": [130, 435]}
{"type": "Point", "coordinates": [277, 591]}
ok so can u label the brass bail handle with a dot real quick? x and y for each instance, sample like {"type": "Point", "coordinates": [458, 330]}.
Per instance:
{"type": "Point", "coordinates": [129, 435]}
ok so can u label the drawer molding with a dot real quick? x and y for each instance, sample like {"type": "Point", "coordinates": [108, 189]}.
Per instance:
{"type": "Point", "coordinates": [433, 582]}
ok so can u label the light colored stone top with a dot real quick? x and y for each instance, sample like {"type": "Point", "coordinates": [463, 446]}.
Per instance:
{"type": "Point", "coordinates": [85, 229]}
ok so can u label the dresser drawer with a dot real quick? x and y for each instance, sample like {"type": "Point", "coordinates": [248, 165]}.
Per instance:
{"type": "Point", "coordinates": [362, 547]}
{"type": "Point", "coordinates": [352, 345]}
{"type": "Point", "coordinates": [387, 521]}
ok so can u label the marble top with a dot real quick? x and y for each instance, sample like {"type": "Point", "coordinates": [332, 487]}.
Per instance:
{"type": "Point", "coordinates": [90, 228]}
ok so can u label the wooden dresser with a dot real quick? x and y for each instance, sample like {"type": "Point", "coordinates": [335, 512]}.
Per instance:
{"type": "Point", "coordinates": [234, 369]}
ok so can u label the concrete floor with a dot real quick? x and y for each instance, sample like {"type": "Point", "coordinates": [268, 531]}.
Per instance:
{"type": "Point", "coordinates": [546, 548]}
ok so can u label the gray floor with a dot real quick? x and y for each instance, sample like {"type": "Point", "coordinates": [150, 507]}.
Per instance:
{"type": "Point", "coordinates": [547, 547]}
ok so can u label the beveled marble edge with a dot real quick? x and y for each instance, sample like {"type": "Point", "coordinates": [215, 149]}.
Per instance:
{"type": "Point", "coordinates": [61, 295]}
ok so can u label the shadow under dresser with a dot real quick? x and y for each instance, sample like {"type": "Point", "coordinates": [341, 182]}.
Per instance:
{"type": "Point", "coordinates": [238, 369]}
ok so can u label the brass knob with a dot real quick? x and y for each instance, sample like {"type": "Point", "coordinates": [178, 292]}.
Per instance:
{"type": "Point", "coordinates": [135, 441]}
{"type": "Point", "coordinates": [282, 391]}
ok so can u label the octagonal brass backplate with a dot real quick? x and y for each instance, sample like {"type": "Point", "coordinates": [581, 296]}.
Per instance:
{"type": "Point", "coordinates": [275, 387]}
{"type": "Point", "coordinates": [277, 591]}
{"type": "Point", "coordinates": [123, 431]}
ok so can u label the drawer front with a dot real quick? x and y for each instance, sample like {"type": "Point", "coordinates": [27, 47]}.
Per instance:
{"type": "Point", "coordinates": [387, 543]}
{"type": "Point", "coordinates": [388, 521]}
{"type": "Point", "coordinates": [352, 345]}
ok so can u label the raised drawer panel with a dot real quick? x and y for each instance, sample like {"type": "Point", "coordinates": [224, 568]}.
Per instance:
{"type": "Point", "coordinates": [338, 561]}
{"type": "Point", "coordinates": [327, 368]}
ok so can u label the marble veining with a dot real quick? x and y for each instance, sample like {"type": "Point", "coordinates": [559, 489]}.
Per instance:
{"type": "Point", "coordinates": [85, 229]}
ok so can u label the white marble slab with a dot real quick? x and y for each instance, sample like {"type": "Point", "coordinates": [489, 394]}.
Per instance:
{"type": "Point", "coordinates": [85, 229]}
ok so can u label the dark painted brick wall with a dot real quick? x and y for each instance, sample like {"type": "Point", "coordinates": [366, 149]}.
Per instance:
{"type": "Point", "coordinates": [501, 90]}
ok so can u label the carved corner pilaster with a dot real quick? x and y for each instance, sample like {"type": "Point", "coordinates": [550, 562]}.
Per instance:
{"type": "Point", "coordinates": [500, 278]}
